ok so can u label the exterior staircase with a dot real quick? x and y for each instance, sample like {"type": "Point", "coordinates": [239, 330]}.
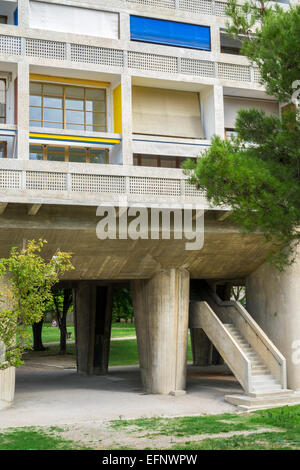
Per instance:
{"type": "Point", "coordinates": [253, 358]}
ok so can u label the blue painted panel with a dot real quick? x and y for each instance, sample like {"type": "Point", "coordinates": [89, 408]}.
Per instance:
{"type": "Point", "coordinates": [16, 19]}
{"type": "Point", "coordinates": [170, 33]}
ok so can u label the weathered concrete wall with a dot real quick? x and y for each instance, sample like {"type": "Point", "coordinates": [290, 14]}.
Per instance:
{"type": "Point", "coordinates": [161, 319]}
{"type": "Point", "coordinates": [273, 299]}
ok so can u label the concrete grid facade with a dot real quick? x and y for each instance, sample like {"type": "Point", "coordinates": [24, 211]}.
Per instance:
{"type": "Point", "coordinates": [135, 133]}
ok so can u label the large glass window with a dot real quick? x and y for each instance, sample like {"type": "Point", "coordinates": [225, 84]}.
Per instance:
{"type": "Point", "coordinates": [2, 100]}
{"type": "Point", "coordinates": [3, 19]}
{"type": "Point", "coordinates": [60, 153]}
{"type": "Point", "coordinates": [158, 161]}
{"type": "Point", "coordinates": [67, 107]}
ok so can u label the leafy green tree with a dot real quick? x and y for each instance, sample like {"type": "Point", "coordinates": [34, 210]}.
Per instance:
{"type": "Point", "coordinates": [257, 174]}
{"type": "Point", "coordinates": [122, 305]}
{"type": "Point", "coordinates": [29, 280]}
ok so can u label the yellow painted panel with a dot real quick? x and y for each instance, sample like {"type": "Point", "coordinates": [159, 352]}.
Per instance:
{"type": "Point", "coordinates": [77, 81]}
{"type": "Point", "coordinates": [118, 110]}
{"type": "Point", "coordinates": [73, 138]}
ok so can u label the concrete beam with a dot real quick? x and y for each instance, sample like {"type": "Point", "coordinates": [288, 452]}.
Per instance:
{"type": "Point", "coordinates": [33, 209]}
{"type": "Point", "coordinates": [3, 206]}
{"type": "Point", "coordinates": [161, 318]}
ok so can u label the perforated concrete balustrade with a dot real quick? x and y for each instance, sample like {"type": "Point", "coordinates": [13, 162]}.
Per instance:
{"type": "Point", "coordinates": [139, 61]}
{"type": "Point", "coordinates": [206, 7]}
{"type": "Point", "coordinates": [95, 183]}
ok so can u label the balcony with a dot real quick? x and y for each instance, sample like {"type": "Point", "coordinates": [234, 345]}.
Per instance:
{"type": "Point", "coordinates": [35, 182]}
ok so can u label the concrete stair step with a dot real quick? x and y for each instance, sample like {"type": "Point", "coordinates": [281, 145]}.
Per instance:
{"type": "Point", "coordinates": [248, 403]}
{"type": "Point", "coordinates": [275, 393]}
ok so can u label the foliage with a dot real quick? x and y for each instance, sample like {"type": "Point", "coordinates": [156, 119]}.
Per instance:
{"type": "Point", "coordinates": [122, 305]}
{"type": "Point", "coordinates": [257, 173]}
{"type": "Point", "coordinates": [271, 40]}
{"type": "Point", "coordinates": [28, 288]}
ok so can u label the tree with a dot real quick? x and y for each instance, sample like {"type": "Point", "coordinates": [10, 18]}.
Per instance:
{"type": "Point", "coordinates": [24, 297]}
{"type": "Point", "coordinates": [257, 174]}
{"type": "Point", "coordinates": [122, 305]}
{"type": "Point", "coordinates": [62, 299]}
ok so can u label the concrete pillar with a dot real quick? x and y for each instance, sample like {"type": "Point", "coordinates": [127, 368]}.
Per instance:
{"type": "Point", "coordinates": [273, 299]}
{"type": "Point", "coordinates": [126, 119]}
{"type": "Point", "coordinates": [93, 309]}
{"type": "Point", "coordinates": [212, 105]}
{"type": "Point", "coordinates": [22, 103]}
{"type": "Point", "coordinates": [161, 318]}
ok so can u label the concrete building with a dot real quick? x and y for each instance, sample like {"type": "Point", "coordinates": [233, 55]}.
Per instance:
{"type": "Point", "coordinates": [100, 103]}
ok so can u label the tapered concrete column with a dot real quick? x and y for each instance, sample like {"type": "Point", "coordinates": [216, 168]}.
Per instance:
{"type": "Point", "coordinates": [273, 299]}
{"type": "Point", "coordinates": [161, 319]}
{"type": "Point", "coordinates": [93, 307]}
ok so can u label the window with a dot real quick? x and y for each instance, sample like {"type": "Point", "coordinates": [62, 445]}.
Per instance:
{"type": "Point", "coordinates": [60, 153]}
{"type": "Point", "coordinates": [67, 107]}
{"type": "Point", "coordinates": [158, 161]}
{"type": "Point", "coordinates": [2, 101]}
{"type": "Point", "coordinates": [3, 19]}
{"type": "Point", "coordinates": [3, 149]}
{"type": "Point", "coordinates": [229, 133]}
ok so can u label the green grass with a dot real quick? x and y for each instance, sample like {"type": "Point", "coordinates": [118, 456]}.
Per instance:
{"type": "Point", "coordinates": [122, 353]}
{"type": "Point", "coordinates": [32, 438]}
{"type": "Point", "coordinates": [51, 334]}
{"type": "Point", "coordinates": [285, 418]}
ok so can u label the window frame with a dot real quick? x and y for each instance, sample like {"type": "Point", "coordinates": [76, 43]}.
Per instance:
{"type": "Point", "coordinates": [67, 152]}
{"type": "Point", "coordinates": [64, 109]}
{"type": "Point", "coordinates": [2, 79]}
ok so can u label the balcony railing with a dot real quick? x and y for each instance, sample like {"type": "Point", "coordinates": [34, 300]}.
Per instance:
{"type": "Point", "coordinates": [134, 60]}
{"type": "Point", "coordinates": [46, 182]}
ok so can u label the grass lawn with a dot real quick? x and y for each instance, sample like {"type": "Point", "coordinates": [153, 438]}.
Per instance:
{"type": "Point", "coordinates": [122, 353]}
{"type": "Point", "coordinates": [32, 438]}
{"type": "Point", "coordinates": [51, 335]}
{"type": "Point", "coordinates": [190, 430]}
{"type": "Point", "coordinates": [276, 429]}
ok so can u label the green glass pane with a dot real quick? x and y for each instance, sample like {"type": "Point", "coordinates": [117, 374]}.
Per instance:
{"type": "Point", "coordinates": [56, 154]}
{"type": "Point", "coordinates": [98, 156]}
{"type": "Point", "coordinates": [95, 94]}
{"type": "Point", "coordinates": [53, 90]}
{"type": "Point", "coordinates": [35, 152]}
{"type": "Point", "coordinates": [35, 88]}
{"type": "Point", "coordinates": [74, 92]}
{"type": "Point", "coordinates": [77, 155]}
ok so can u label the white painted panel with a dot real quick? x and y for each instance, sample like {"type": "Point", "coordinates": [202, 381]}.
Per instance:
{"type": "Point", "coordinates": [166, 112]}
{"type": "Point", "coordinates": [75, 20]}
{"type": "Point", "coordinates": [232, 105]}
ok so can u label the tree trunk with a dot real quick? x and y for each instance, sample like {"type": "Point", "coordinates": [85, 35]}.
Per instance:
{"type": "Point", "coordinates": [63, 321]}
{"type": "Point", "coordinates": [37, 336]}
